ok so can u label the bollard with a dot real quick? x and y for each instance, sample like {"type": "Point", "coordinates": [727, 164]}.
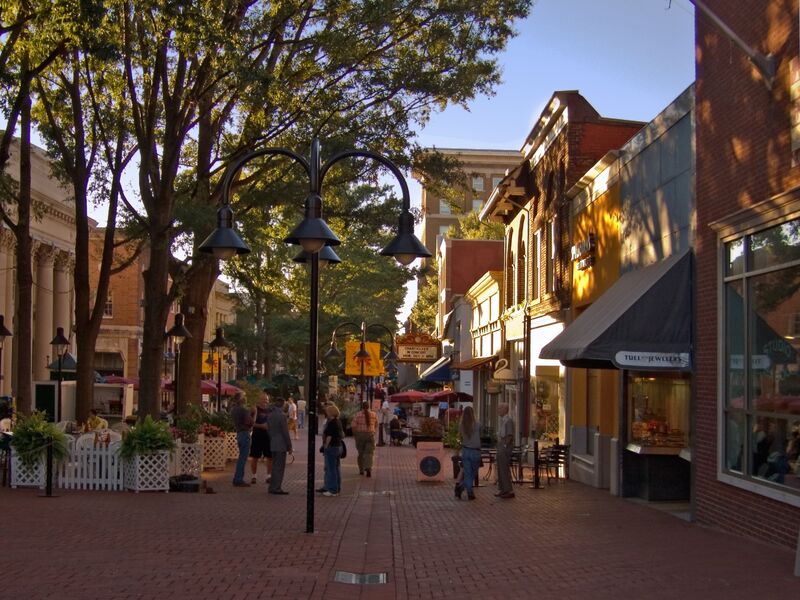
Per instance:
{"type": "Point", "coordinates": [536, 485]}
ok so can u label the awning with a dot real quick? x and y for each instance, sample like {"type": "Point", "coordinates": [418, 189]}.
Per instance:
{"type": "Point", "coordinates": [438, 371]}
{"type": "Point", "coordinates": [643, 322]}
{"type": "Point", "coordinates": [473, 363]}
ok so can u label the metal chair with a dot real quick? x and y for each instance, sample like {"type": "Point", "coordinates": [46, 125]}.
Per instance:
{"type": "Point", "coordinates": [552, 460]}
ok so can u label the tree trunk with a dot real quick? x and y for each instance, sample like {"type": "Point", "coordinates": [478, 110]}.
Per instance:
{"type": "Point", "coordinates": [199, 284]}
{"type": "Point", "coordinates": [24, 298]}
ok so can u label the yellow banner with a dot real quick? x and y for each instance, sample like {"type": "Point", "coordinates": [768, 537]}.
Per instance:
{"type": "Point", "coordinates": [373, 366]}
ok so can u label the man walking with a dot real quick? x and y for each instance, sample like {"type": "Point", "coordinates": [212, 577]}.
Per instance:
{"type": "Point", "coordinates": [243, 425]}
{"type": "Point", "coordinates": [505, 440]}
{"type": "Point", "coordinates": [280, 444]}
{"type": "Point", "coordinates": [301, 413]}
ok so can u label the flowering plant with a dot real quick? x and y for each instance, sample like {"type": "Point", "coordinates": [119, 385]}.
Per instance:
{"type": "Point", "coordinates": [209, 430]}
{"type": "Point", "coordinates": [187, 437]}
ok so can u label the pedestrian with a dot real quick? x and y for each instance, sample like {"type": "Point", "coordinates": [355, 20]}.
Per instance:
{"type": "Point", "coordinates": [332, 437]}
{"type": "Point", "coordinates": [242, 423]}
{"type": "Point", "coordinates": [385, 419]}
{"type": "Point", "coordinates": [469, 431]}
{"type": "Point", "coordinates": [259, 447]}
{"type": "Point", "coordinates": [301, 413]}
{"type": "Point", "coordinates": [364, 424]}
{"type": "Point", "coordinates": [291, 417]}
{"type": "Point", "coordinates": [505, 440]}
{"type": "Point", "coordinates": [280, 443]}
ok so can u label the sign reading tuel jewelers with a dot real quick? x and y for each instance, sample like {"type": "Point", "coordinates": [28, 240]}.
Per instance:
{"type": "Point", "coordinates": [417, 347]}
{"type": "Point", "coordinates": [626, 359]}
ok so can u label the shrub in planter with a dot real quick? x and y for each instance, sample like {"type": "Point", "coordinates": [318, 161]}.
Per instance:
{"type": "Point", "coordinates": [451, 438]}
{"type": "Point", "coordinates": [148, 437]}
{"type": "Point", "coordinates": [31, 437]}
{"type": "Point", "coordinates": [430, 427]}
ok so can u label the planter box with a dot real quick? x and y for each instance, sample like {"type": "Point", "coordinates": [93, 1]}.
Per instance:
{"type": "Point", "coordinates": [214, 453]}
{"type": "Point", "coordinates": [147, 472]}
{"type": "Point", "coordinates": [415, 438]}
{"type": "Point", "coordinates": [22, 476]}
{"type": "Point", "coordinates": [186, 459]}
{"type": "Point", "coordinates": [231, 447]}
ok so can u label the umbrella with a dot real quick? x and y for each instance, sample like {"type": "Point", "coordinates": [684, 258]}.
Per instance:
{"type": "Point", "coordinates": [207, 386]}
{"type": "Point", "coordinates": [421, 384]}
{"type": "Point", "coordinates": [409, 396]}
{"type": "Point", "coordinates": [448, 396]}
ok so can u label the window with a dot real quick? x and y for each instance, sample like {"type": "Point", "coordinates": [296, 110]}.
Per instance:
{"type": "Point", "coordinates": [477, 184]}
{"type": "Point", "coordinates": [444, 207]}
{"type": "Point", "coordinates": [761, 394]}
{"type": "Point", "coordinates": [443, 229]}
{"type": "Point", "coordinates": [477, 204]}
{"type": "Point", "coordinates": [550, 266]}
{"type": "Point", "coordinates": [496, 181]}
{"type": "Point", "coordinates": [108, 309]}
{"type": "Point", "coordinates": [535, 258]}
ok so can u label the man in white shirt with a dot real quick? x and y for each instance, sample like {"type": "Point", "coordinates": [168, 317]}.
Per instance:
{"type": "Point", "coordinates": [384, 418]}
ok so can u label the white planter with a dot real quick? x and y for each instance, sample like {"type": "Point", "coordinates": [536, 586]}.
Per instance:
{"type": "Point", "coordinates": [231, 446]}
{"type": "Point", "coordinates": [22, 476]}
{"type": "Point", "coordinates": [214, 453]}
{"type": "Point", "coordinates": [147, 472]}
{"type": "Point", "coordinates": [186, 459]}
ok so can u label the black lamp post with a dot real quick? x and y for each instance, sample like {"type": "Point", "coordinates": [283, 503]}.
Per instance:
{"type": "Point", "coordinates": [313, 234]}
{"type": "Point", "coordinates": [217, 344]}
{"type": "Point", "coordinates": [178, 333]}
{"type": "Point", "coordinates": [60, 344]}
{"type": "Point", "coordinates": [4, 333]}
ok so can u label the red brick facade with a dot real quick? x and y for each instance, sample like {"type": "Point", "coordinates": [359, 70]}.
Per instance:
{"type": "Point", "coordinates": [744, 156]}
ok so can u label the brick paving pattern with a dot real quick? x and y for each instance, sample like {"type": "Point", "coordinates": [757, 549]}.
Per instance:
{"type": "Point", "coordinates": [564, 541]}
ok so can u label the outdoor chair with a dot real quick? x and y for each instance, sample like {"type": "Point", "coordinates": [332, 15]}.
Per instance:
{"type": "Point", "coordinates": [552, 460]}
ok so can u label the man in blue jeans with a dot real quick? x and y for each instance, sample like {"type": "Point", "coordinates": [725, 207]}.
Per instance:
{"type": "Point", "coordinates": [243, 425]}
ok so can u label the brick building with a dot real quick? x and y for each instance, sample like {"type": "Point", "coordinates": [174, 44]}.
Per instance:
{"type": "Point", "coordinates": [747, 413]}
{"type": "Point", "coordinates": [569, 137]}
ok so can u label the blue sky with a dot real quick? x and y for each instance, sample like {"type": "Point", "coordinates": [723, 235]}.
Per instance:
{"type": "Point", "coordinates": [628, 58]}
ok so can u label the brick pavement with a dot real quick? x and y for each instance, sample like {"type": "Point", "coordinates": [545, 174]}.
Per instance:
{"type": "Point", "coordinates": [565, 541]}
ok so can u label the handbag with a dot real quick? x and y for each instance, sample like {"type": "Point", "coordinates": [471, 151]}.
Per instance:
{"type": "Point", "coordinates": [343, 453]}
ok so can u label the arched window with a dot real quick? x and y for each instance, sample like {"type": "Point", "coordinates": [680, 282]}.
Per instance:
{"type": "Point", "coordinates": [510, 270]}
{"type": "Point", "coordinates": [521, 270]}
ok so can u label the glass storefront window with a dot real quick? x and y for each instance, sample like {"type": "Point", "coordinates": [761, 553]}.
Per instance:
{"type": "Point", "coordinates": [762, 362]}
{"type": "Point", "coordinates": [659, 410]}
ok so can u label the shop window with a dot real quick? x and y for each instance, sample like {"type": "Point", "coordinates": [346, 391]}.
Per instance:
{"type": "Point", "coordinates": [761, 403]}
{"type": "Point", "coordinates": [659, 412]}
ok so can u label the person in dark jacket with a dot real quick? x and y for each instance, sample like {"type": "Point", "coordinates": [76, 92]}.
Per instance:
{"type": "Point", "coordinates": [280, 444]}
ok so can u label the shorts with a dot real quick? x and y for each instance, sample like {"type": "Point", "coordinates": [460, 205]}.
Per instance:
{"type": "Point", "coordinates": [292, 424]}
{"type": "Point", "coordinates": [259, 444]}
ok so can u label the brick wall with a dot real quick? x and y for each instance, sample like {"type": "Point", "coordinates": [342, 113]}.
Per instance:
{"type": "Point", "coordinates": [744, 156]}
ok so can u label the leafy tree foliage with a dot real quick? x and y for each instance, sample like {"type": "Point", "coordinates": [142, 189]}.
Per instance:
{"type": "Point", "coordinates": [425, 310]}
{"type": "Point", "coordinates": [470, 227]}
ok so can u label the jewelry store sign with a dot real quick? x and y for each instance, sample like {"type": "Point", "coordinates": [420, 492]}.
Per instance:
{"type": "Point", "coordinates": [417, 347]}
{"type": "Point", "coordinates": [625, 359]}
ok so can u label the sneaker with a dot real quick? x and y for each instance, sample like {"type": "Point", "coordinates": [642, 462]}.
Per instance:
{"type": "Point", "coordinates": [321, 490]}
{"type": "Point", "coordinates": [329, 494]}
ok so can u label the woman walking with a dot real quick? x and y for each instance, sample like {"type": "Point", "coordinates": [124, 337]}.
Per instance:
{"type": "Point", "coordinates": [365, 422]}
{"type": "Point", "coordinates": [260, 446]}
{"type": "Point", "coordinates": [332, 437]}
{"type": "Point", "coordinates": [469, 430]}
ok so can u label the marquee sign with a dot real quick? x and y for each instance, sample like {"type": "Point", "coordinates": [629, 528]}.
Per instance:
{"type": "Point", "coordinates": [417, 347]}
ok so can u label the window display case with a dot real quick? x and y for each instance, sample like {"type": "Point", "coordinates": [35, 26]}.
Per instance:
{"type": "Point", "coordinates": [658, 414]}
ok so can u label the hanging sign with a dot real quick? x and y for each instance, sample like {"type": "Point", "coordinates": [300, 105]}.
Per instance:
{"type": "Point", "coordinates": [417, 348]}
{"type": "Point", "coordinates": [373, 366]}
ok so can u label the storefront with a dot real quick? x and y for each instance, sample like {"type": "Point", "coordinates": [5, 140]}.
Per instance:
{"type": "Point", "coordinates": [642, 326]}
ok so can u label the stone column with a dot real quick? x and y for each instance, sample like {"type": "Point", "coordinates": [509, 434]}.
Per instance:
{"type": "Point", "coordinates": [43, 327]}
{"type": "Point", "coordinates": [62, 292]}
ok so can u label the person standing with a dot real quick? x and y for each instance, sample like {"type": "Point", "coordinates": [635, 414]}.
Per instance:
{"type": "Point", "coordinates": [469, 431]}
{"type": "Point", "coordinates": [242, 424]}
{"type": "Point", "coordinates": [364, 424]}
{"type": "Point", "coordinates": [385, 419]}
{"type": "Point", "coordinates": [505, 440]}
{"type": "Point", "coordinates": [259, 446]}
{"type": "Point", "coordinates": [291, 417]}
{"type": "Point", "coordinates": [301, 413]}
{"type": "Point", "coordinates": [280, 444]}
{"type": "Point", "coordinates": [332, 437]}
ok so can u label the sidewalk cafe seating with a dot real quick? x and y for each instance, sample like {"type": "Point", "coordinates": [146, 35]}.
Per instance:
{"type": "Point", "coordinates": [552, 460]}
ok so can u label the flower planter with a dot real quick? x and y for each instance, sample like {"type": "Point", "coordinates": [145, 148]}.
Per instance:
{"type": "Point", "coordinates": [417, 437]}
{"type": "Point", "coordinates": [147, 472]}
{"type": "Point", "coordinates": [187, 459]}
{"type": "Point", "coordinates": [23, 476]}
{"type": "Point", "coordinates": [214, 452]}
{"type": "Point", "coordinates": [231, 446]}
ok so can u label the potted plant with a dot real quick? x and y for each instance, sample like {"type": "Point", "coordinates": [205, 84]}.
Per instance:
{"type": "Point", "coordinates": [214, 449]}
{"type": "Point", "coordinates": [29, 444]}
{"type": "Point", "coordinates": [430, 430]}
{"type": "Point", "coordinates": [145, 453]}
{"type": "Point", "coordinates": [452, 440]}
{"type": "Point", "coordinates": [188, 456]}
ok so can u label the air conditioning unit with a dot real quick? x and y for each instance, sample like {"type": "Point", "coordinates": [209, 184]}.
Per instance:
{"type": "Point", "coordinates": [430, 461]}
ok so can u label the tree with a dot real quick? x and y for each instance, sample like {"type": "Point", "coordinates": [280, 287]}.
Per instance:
{"type": "Point", "coordinates": [470, 227]}
{"type": "Point", "coordinates": [426, 308]}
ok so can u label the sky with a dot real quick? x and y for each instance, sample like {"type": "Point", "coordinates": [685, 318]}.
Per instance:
{"type": "Point", "coordinates": [628, 58]}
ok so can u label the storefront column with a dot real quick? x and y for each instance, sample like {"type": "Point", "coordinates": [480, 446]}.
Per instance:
{"type": "Point", "coordinates": [44, 329]}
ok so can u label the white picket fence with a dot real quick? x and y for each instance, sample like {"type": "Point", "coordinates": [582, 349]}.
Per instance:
{"type": "Point", "coordinates": [91, 468]}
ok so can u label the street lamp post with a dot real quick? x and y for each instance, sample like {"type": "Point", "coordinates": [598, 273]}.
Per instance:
{"type": "Point", "coordinates": [312, 234]}
{"type": "Point", "coordinates": [60, 344]}
{"type": "Point", "coordinates": [4, 333]}
{"type": "Point", "coordinates": [217, 344]}
{"type": "Point", "coordinates": [178, 333]}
